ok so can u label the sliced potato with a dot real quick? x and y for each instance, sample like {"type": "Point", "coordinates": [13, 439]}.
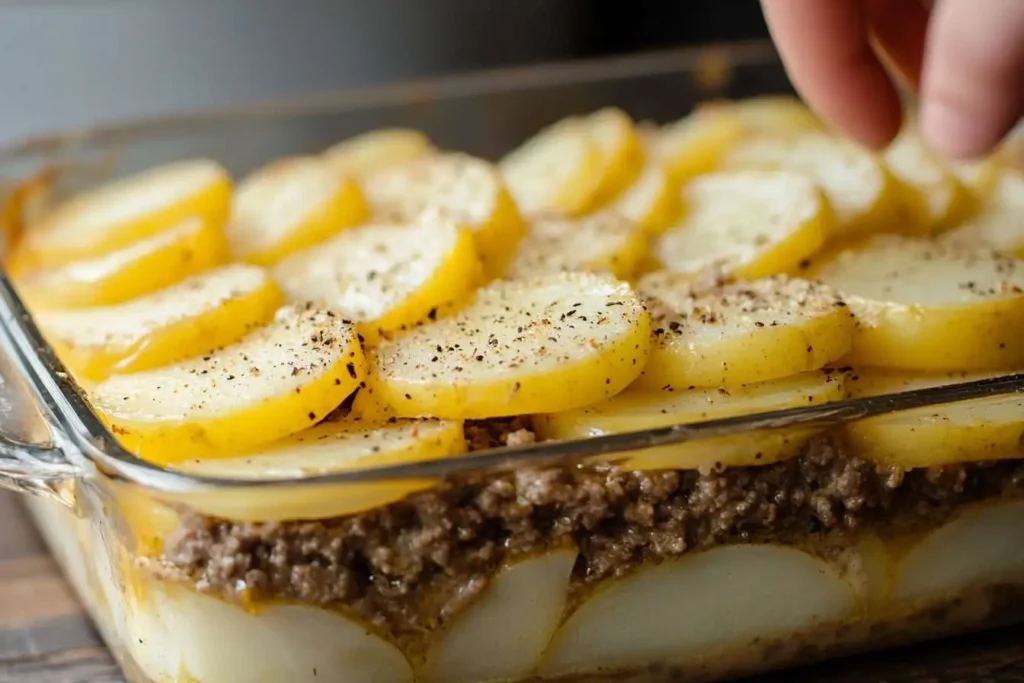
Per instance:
{"type": "Point", "coordinates": [742, 332]}
{"type": "Point", "coordinates": [559, 170]}
{"type": "Point", "coordinates": [140, 268]}
{"type": "Point", "coordinates": [127, 210]}
{"type": "Point", "coordinates": [651, 201]}
{"type": "Point", "coordinates": [459, 188]}
{"type": "Point", "coordinates": [749, 224]}
{"type": "Point", "coordinates": [386, 278]}
{"type": "Point", "coordinates": [622, 155]}
{"type": "Point", "coordinates": [929, 307]}
{"type": "Point", "coordinates": [695, 144]}
{"type": "Point", "coordinates": [277, 381]}
{"type": "Point", "coordinates": [638, 409]}
{"type": "Point", "coordinates": [290, 205]}
{"type": "Point", "coordinates": [332, 446]}
{"type": "Point", "coordinates": [775, 115]}
{"type": "Point", "coordinates": [603, 242]}
{"type": "Point", "coordinates": [935, 199]}
{"type": "Point", "coordinates": [863, 194]}
{"type": "Point", "coordinates": [199, 314]}
{"type": "Point", "coordinates": [521, 347]}
{"type": "Point", "coordinates": [377, 150]}
{"type": "Point", "coordinates": [997, 224]}
{"type": "Point", "coordinates": [978, 175]}
{"type": "Point", "coordinates": [932, 436]}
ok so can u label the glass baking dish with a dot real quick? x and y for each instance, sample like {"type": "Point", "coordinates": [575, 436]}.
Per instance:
{"type": "Point", "coordinates": [524, 563]}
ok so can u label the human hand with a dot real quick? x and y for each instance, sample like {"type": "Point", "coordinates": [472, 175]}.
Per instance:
{"type": "Point", "coordinates": [965, 58]}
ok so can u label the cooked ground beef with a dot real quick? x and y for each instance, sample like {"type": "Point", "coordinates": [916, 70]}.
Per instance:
{"type": "Point", "coordinates": [409, 566]}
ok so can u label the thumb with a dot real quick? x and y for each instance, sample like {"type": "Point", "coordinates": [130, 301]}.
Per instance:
{"type": "Point", "coordinates": [972, 86]}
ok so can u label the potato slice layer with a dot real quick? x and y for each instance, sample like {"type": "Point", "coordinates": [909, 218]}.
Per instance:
{"type": "Point", "coordinates": [128, 210]}
{"type": "Point", "coordinates": [742, 332]}
{"type": "Point", "coordinates": [651, 201]}
{"type": "Point", "coordinates": [930, 307]}
{"type": "Point", "coordinates": [332, 446]}
{"type": "Point", "coordinates": [638, 409]}
{"type": "Point", "coordinates": [377, 150]}
{"type": "Point", "coordinates": [521, 347]}
{"type": "Point", "coordinates": [862, 192]}
{"type": "Point", "coordinates": [935, 198]}
{"type": "Point", "coordinates": [386, 278]}
{"type": "Point", "coordinates": [604, 242]}
{"type": "Point", "coordinates": [695, 144]}
{"type": "Point", "coordinates": [145, 266]}
{"type": "Point", "coordinates": [457, 187]}
{"type": "Point", "coordinates": [997, 223]}
{"type": "Point", "coordinates": [946, 434]}
{"type": "Point", "coordinates": [277, 381]}
{"type": "Point", "coordinates": [622, 155]}
{"type": "Point", "coordinates": [290, 205]}
{"type": "Point", "coordinates": [559, 170]}
{"type": "Point", "coordinates": [775, 115]}
{"type": "Point", "coordinates": [746, 223]}
{"type": "Point", "coordinates": [199, 314]}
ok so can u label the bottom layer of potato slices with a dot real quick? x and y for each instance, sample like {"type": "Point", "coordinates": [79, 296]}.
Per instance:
{"type": "Point", "coordinates": [637, 409]}
{"type": "Point", "coordinates": [742, 332]}
{"type": "Point", "coordinates": [747, 223]}
{"type": "Point", "coordinates": [604, 242]}
{"type": "Point", "coordinates": [332, 446]}
{"type": "Point", "coordinates": [930, 307]}
{"type": "Point", "coordinates": [140, 268]}
{"type": "Point", "coordinates": [521, 347]}
{"type": "Point", "coordinates": [384, 277]}
{"type": "Point", "coordinates": [944, 434]}
{"type": "Point", "coordinates": [195, 316]}
{"type": "Point", "coordinates": [279, 380]}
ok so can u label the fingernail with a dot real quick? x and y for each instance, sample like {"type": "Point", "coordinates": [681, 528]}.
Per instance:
{"type": "Point", "coordinates": [952, 131]}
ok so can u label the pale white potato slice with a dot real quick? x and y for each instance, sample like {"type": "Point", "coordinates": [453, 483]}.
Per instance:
{"type": "Point", "coordinates": [935, 198]}
{"type": "Point", "coordinates": [708, 602]}
{"type": "Point", "coordinates": [651, 201]}
{"type": "Point", "coordinates": [741, 332]}
{"type": "Point", "coordinates": [459, 188]}
{"type": "Point", "coordinates": [636, 410]}
{"type": "Point", "coordinates": [290, 205]}
{"type": "Point", "coordinates": [997, 223]}
{"type": "Point", "coordinates": [177, 634]}
{"type": "Point", "coordinates": [605, 242]}
{"type": "Point", "coordinates": [520, 347]}
{"type": "Point", "coordinates": [559, 170]}
{"type": "Point", "coordinates": [377, 150]}
{"type": "Point", "coordinates": [127, 210]}
{"type": "Point", "coordinates": [945, 434]}
{"type": "Point", "coordinates": [276, 381]}
{"type": "Point", "coordinates": [863, 194]}
{"type": "Point", "coordinates": [502, 636]}
{"type": "Point", "coordinates": [929, 307]}
{"type": "Point", "coordinates": [981, 547]}
{"type": "Point", "coordinates": [386, 277]}
{"type": "Point", "coordinates": [199, 314]}
{"type": "Point", "coordinates": [746, 223]}
{"type": "Point", "coordinates": [332, 446]}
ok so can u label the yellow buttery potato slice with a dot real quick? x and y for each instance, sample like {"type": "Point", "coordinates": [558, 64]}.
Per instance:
{"type": "Point", "coordinates": [926, 306]}
{"type": "Point", "coordinates": [128, 210]}
{"type": "Point", "coordinates": [459, 188]}
{"type": "Point", "coordinates": [384, 277]}
{"type": "Point", "coordinates": [196, 315]}
{"type": "Point", "coordinates": [377, 150]}
{"type": "Point", "coordinates": [932, 436]}
{"type": "Point", "coordinates": [135, 270]}
{"type": "Point", "coordinates": [999, 220]}
{"type": "Point", "coordinates": [638, 409]}
{"type": "Point", "coordinates": [276, 381]}
{"type": "Point", "coordinates": [622, 155]}
{"type": "Point", "coordinates": [651, 201]}
{"type": "Point", "coordinates": [602, 242]}
{"type": "Point", "coordinates": [521, 347]}
{"type": "Point", "coordinates": [775, 115]}
{"type": "Point", "coordinates": [332, 446]}
{"type": "Point", "coordinates": [742, 332]}
{"type": "Point", "coordinates": [863, 194]}
{"type": "Point", "coordinates": [746, 223]}
{"type": "Point", "coordinates": [695, 144]}
{"type": "Point", "coordinates": [290, 205]}
{"type": "Point", "coordinates": [934, 196]}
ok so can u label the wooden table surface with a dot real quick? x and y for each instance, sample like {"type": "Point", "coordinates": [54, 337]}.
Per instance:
{"type": "Point", "coordinates": [45, 636]}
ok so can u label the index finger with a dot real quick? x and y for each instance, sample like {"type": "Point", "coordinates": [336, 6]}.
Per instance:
{"type": "Point", "coordinates": [826, 49]}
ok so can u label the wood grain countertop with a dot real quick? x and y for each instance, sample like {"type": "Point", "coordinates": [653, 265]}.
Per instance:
{"type": "Point", "coordinates": [45, 636]}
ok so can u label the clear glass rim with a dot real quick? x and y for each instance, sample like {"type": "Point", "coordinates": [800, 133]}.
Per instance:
{"type": "Point", "coordinates": [85, 432]}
